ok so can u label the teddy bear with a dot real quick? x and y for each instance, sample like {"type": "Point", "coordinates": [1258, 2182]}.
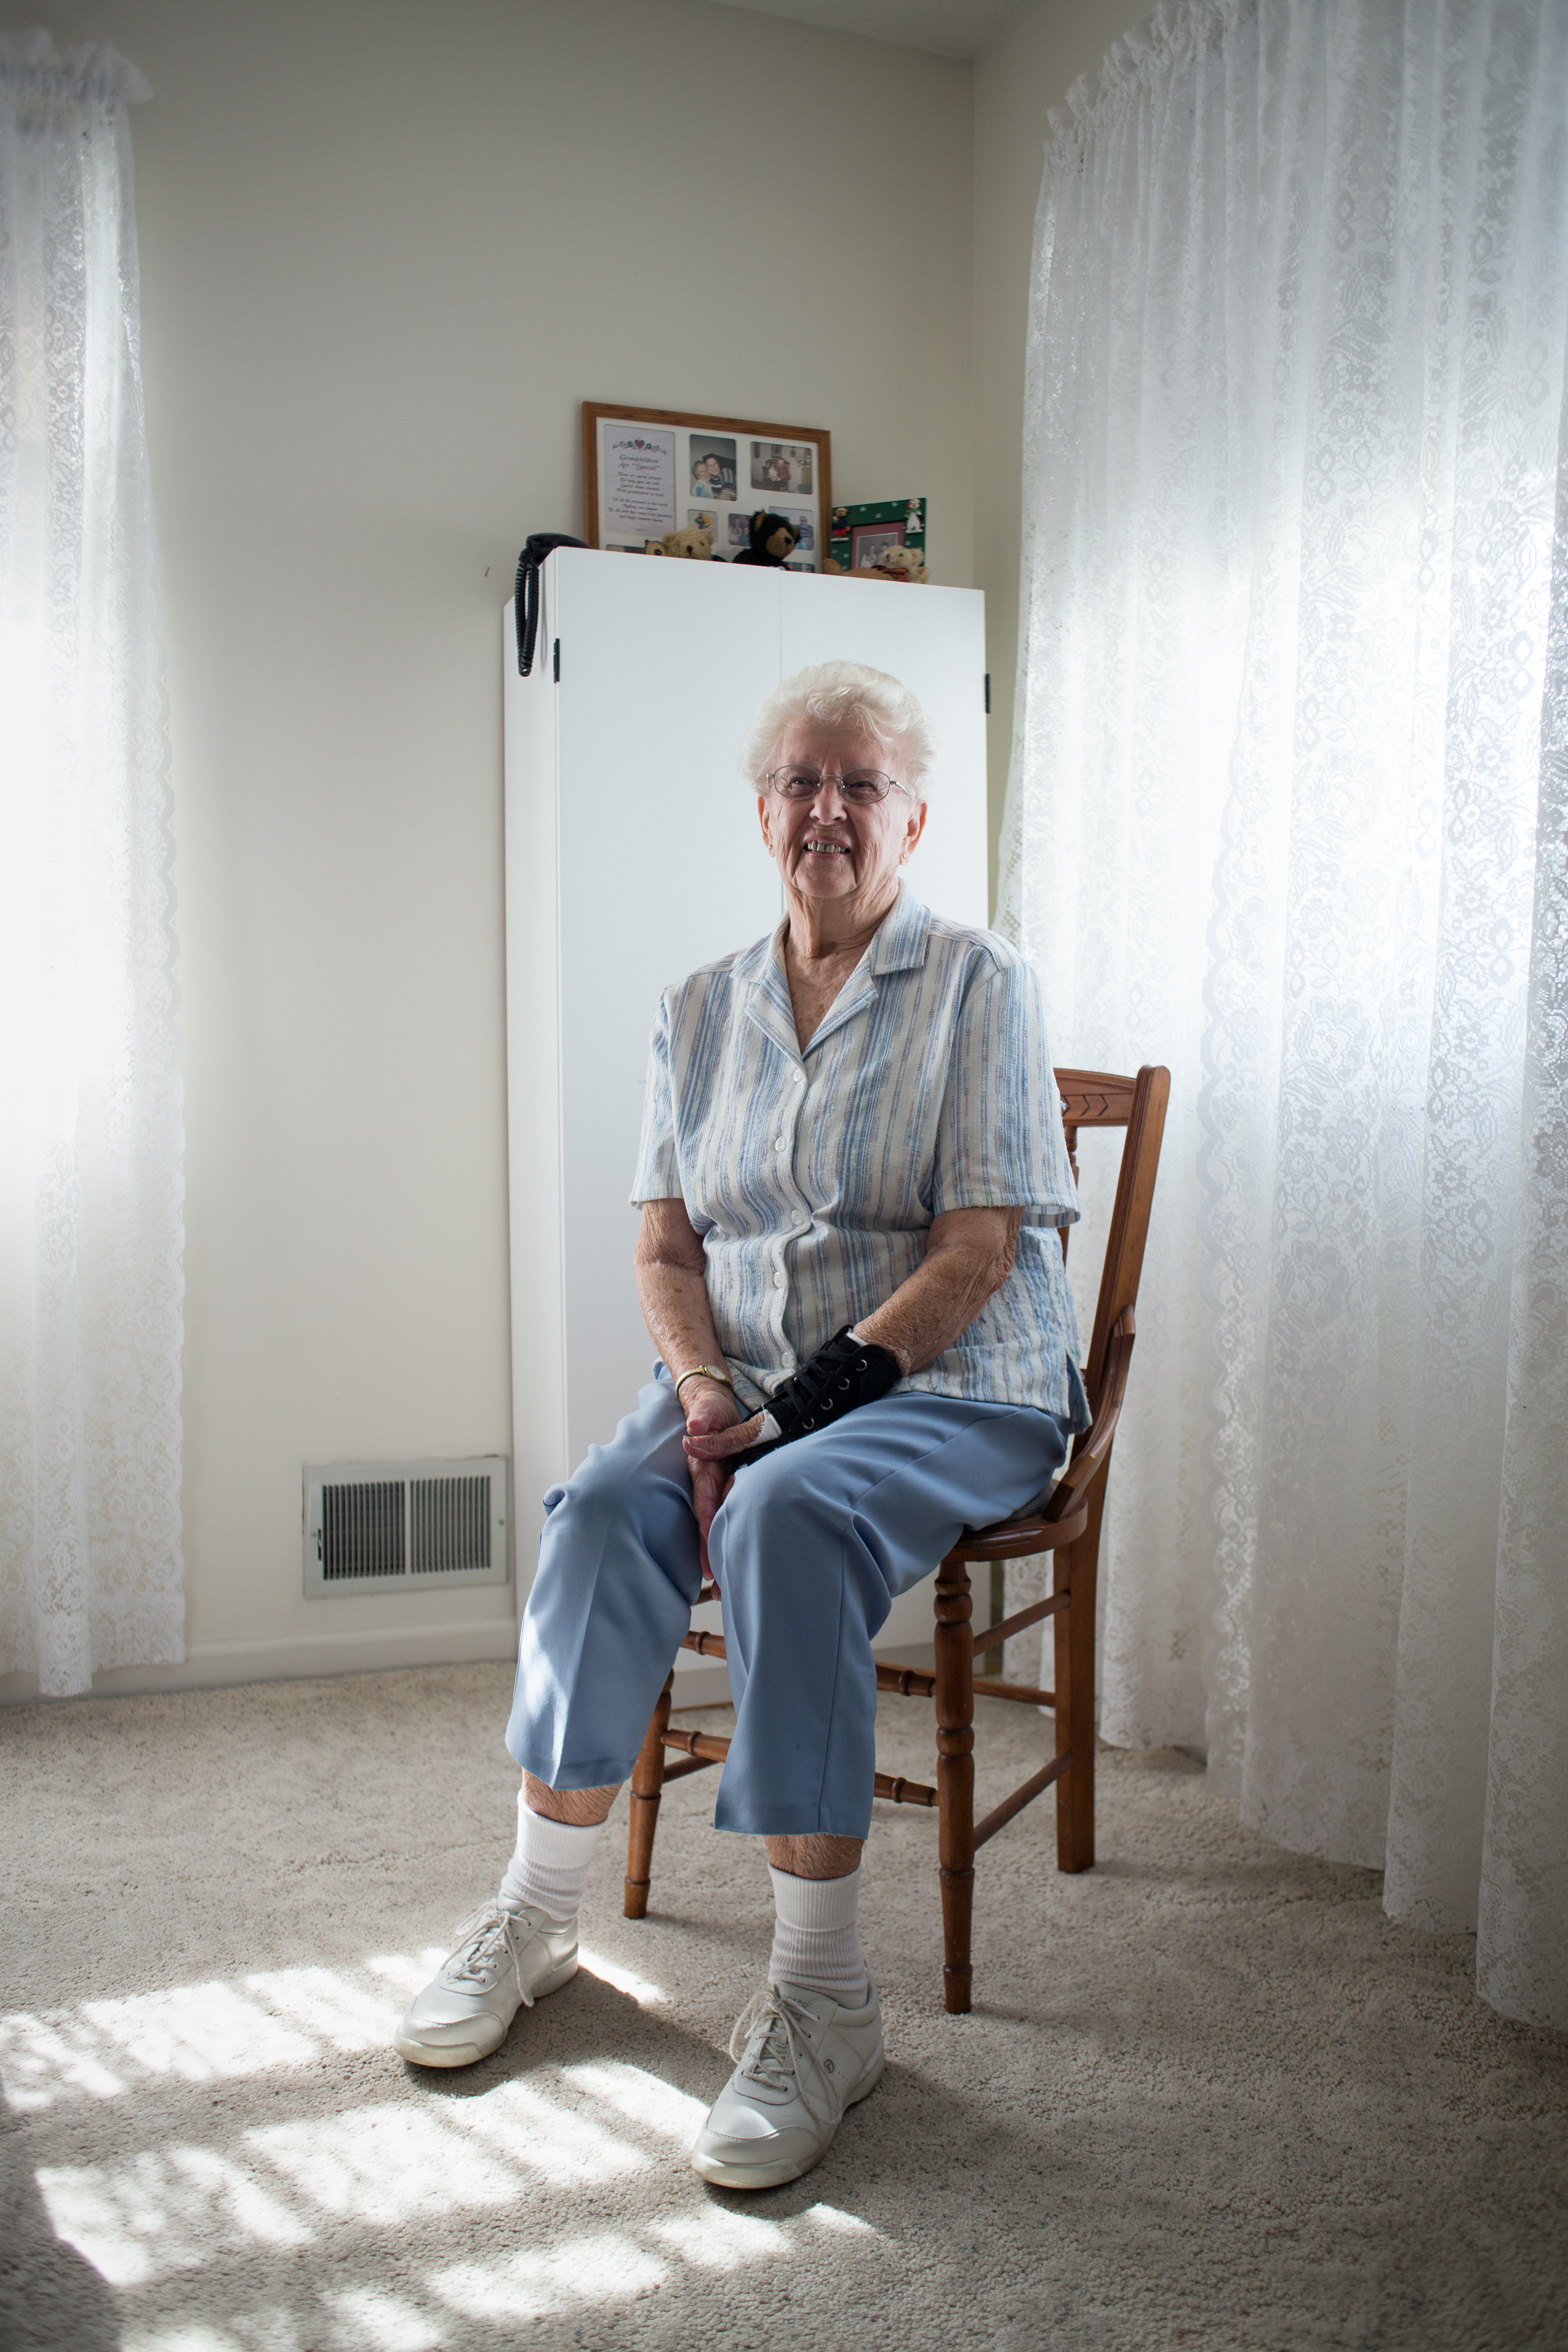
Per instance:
{"type": "Point", "coordinates": [773, 541]}
{"type": "Point", "coordinates": [899, 563]}
{"type": "Point", "coordinates": [695, 543]}
{"type": "Point", "coordinates": [894, 563]}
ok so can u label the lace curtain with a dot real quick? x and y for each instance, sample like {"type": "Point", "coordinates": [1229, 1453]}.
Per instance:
{"type": "Point", "coordinates": [1287, 811]}
{"type": "Point", "coordinates": [91, 1230]}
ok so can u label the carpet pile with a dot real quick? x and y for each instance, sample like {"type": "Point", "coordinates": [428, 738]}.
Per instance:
{"type": "Point", "coordinates": [1209, 2097]}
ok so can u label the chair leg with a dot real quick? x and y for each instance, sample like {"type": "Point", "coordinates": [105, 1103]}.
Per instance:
{"type": "Point", "coordinates": [647, 1782]}
{"type": "Point", "coordinates": [1077, 1572]}
{"type": "Point", "coordinates": [955, 1776]}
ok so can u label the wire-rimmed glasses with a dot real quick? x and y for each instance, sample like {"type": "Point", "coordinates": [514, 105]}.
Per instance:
{"type": "Point", "coordinates": [862, 787]}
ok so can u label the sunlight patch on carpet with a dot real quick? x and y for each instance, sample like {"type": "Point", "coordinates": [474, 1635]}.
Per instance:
{"type": "Point", "coordinates": [609, 2268]}
{"type": "Point", "coordinates": [173, 2209]}
{"type": "Point", "coordinates": [641, 2097]}
{"type": "Point", "coordinates": [193, 2033]}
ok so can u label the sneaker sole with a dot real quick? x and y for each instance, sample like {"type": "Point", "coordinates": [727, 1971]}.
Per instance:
{"type": "Point", "coordinates": [468, 2053]}
{"type": "Point", "coordinates": [776, 2176]}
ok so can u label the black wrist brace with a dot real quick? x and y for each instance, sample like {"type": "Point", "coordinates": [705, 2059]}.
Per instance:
{"type": "Point", "coordinates": [842, 1374]}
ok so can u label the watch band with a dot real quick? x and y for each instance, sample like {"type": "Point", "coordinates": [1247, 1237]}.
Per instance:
{"type": "Point", "coordinates": [705, 1373]}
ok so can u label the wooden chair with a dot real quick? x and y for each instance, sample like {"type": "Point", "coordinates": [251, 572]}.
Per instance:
{"type": "Point", "coordinates": [1067, 1525]}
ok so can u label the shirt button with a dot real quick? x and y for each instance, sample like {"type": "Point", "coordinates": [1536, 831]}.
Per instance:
{"type": "Point", "coordinates": [779, 1280]}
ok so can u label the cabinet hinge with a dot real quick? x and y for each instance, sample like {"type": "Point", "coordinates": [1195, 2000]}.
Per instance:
{"type": "Point", "coordinates": [557, 672]}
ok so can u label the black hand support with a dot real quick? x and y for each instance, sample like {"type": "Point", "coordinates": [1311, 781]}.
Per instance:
{"type": "Point", "coordinates": [842, 1374]}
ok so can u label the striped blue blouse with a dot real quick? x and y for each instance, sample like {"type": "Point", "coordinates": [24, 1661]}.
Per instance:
{"type": "Point", "coordinates": [813, 1178]}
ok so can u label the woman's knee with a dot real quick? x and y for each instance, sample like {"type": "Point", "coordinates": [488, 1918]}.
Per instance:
{"type": "Point", "coordinates": [773, 1514]}
{"type": "Point", "coordinates": [602, 1492]}
{"type": "Point", "coordinates": [621, 1521]}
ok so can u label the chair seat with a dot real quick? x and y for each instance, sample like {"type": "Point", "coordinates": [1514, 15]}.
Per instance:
{"type": "Point", "coordinates": [1015, 1538]}
{"type": "Point", "coordinates": [1019, 1537]}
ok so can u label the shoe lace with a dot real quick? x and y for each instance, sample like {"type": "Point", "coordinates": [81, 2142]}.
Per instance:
{"type": "Point", "coordinates": [486, 1940]}
{"type": "Point", "coordinates": [769, 2041]}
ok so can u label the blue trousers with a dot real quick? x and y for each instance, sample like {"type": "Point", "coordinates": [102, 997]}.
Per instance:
{"type": "Point", "coordinates": [811, 1549]}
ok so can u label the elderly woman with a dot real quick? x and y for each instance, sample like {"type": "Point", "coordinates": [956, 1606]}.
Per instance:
{"type": "Point", "coordinates": [850, 1173]}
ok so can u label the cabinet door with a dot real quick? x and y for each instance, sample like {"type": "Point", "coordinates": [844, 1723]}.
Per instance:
{"type": "Point", "coordinates": [934, 640]}
{"type": "Point", "coordinates": [662, 868]}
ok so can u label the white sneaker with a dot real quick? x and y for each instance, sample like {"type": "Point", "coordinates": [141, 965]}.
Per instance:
{"type": "Point", "coordinates": [804, 2059]}
{"type": "Point", "coordinates": [505, 1961]}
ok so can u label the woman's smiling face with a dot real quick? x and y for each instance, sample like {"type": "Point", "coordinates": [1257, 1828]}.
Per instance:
{"type": "Point", "coordinates": [831, 847]}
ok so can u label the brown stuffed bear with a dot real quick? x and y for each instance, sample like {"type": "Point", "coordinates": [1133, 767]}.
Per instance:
{"type": "Point", "coordinates": [773, 540]}
{"type": "Point", "coordinates": [695, 543]}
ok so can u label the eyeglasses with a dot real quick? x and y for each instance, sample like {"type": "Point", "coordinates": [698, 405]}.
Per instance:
{"type": "Point", "coordinates": [862, 786]}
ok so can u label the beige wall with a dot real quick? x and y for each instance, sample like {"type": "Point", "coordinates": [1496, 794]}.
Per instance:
{"type": "Point", "coordinates": [1029, 70]}
{"type": "Point", "coordinates": [386, 249]}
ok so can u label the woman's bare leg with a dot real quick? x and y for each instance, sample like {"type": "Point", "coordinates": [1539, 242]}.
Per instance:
{"type": "Point", "coordinates": [581, 1808]}
{"type": "Point", "coordinates": [806, 1857]}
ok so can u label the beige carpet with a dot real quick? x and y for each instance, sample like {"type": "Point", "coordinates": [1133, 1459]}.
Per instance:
{"type": "Point", "coordinates": [1210, 2095]}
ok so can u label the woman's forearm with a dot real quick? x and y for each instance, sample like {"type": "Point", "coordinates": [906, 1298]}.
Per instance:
{"type": "Point", "coordinates": [671, 1277]}
{"type": "Point", "coordinates": [671, 1282]}
{"type": "Point", "coordinates": [968, 1259]}
{"type": "Point", "coordinates": [675, 1308]}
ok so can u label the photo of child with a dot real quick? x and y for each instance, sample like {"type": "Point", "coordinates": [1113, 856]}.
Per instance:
{"type": "Point", "coordinates": [782, 466]}
{"type": "Point", "coordinates": [739, 529]}
{"type": "Point", "coordinates": [713, 465]}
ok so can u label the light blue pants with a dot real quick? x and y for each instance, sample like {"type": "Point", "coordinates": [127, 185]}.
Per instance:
{"type": "Point", "coordinates": [811, 1549]}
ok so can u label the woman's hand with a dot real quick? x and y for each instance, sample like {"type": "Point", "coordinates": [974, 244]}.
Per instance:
{"type": "Point", "coordinates": [713, 1430]}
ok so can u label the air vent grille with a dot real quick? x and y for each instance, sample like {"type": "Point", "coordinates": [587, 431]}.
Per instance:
{"type": "Point", "coordinates": [362, 1530]}
{"type": "Point", "coordinates": [383, 1526]}
{"type": "Point", "coordinates": [451, 1524]}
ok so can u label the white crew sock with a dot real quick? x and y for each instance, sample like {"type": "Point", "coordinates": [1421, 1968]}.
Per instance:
{"type": "Point", "coordinates": [815, 1941]}
{"type": "Point", "coordinates": [550, 1868]}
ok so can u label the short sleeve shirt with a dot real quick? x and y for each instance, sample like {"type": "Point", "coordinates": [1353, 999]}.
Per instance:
{"type": "Point", "coordinates": [813, 1178]}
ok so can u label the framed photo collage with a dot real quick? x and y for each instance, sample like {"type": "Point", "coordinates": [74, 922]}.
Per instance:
{"type": "Point", "coordinates": [648, 471]}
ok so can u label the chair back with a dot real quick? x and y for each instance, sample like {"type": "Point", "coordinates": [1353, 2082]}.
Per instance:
{"type": "Point", "coordinates": [1097, 1098]}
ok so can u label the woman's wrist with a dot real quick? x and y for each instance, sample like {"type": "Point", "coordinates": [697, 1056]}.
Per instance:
{"type": "Point", "coordinates": [702, 1395]}
{"type": "Point", "coordinates": [863, 1332]}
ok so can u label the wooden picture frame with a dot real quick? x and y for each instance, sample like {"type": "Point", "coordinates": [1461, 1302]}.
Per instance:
{"type": "Point", "coordinates": [670, 466]}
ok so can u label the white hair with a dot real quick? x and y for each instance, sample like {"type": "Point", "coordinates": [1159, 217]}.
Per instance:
{"type": "Point", "coordinates": [841, 692]}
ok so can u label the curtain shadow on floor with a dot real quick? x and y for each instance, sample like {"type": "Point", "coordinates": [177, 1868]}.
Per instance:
{"type": "Point", "coordinates": [49, 2298]}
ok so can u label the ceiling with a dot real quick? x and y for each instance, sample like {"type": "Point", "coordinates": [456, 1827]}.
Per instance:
{"type": "Point", "coordinates": [955, 28]}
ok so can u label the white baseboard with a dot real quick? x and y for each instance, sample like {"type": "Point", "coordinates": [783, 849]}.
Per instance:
{"type": "Point", "coordinates": [703, 1685]}
{"type": "Point", "coordinates": [217, 1666]}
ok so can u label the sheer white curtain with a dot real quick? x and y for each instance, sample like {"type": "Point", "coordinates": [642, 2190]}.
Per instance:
{"type": "Point", "coordinates": [92, 1227]}
{"type": "Point", "coordinates": [1287, 811]}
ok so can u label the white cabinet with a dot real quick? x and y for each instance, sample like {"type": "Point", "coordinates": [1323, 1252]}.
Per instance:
{"type": "Point", "coordinates": [633, 854]}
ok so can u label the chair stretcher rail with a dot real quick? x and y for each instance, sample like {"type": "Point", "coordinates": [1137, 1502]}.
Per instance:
{"type": "Point", "coordinates": [702, 1748]}
{"type": "Point", "coordinates": [1000, 1815]}
{"type": "Point", "coordinates": [1019, 1623]}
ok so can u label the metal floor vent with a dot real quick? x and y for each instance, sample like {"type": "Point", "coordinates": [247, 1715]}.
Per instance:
{"type": "Point", "coordinates": [379, 1526]}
